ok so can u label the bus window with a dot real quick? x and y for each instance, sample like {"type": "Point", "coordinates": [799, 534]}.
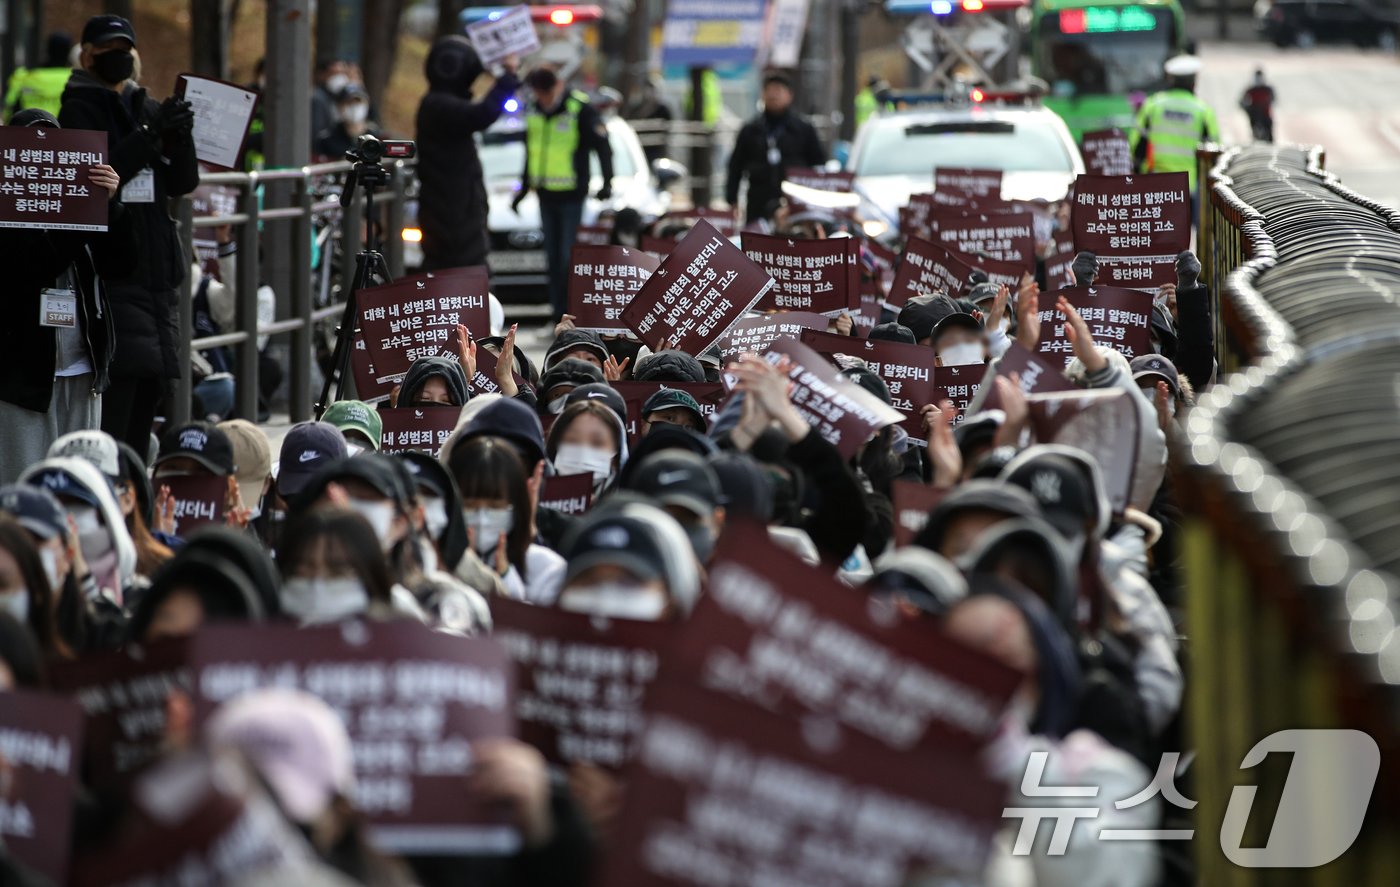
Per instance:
{"type": "Point", "coordinates": [1105, 50]}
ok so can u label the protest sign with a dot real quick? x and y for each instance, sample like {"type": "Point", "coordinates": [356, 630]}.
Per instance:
{"type": "Point", "coordinates": [912, 502]}
{"type": "Point", "coordinates": [1146, 273]}
{"type": "Point", "coordinates": [581, 678]}
{"type": "Point", "coordinates": [822, 276]}
{"type": "Point", "coordinates": [871, 299]}
{"type": "Point", "coordinates": [726, 222]}
{"type": "Point", "coordinates": [1136, 225]}
{"type": "Point", "coordinates": [1000, 237]}
{"type": "Point", "coordinates": [820, 179]}
{"type": "Point", "coordinates": [1106, 153]}
{"type": "Point", "coordinates": [122, 694]}
{"type": "Point", "coordinates": [413, 701]}
{"type": "Point", "coordinates": [838, 409]}
{"type": "Point", "coordinates": [926, 268]}
{"type": "Point", "coordinates": [708, 395]}
{"type": "Point", "coordinates": [1059, 263]}
{"type": "Point", "coordinates": [955, 383]}
{"type": "Point", "coordinates": [487, 364]}
{"type": "Point", "coordinates": [1102, 423]}
{"type": "Point", "coordinates": [1035, 374]}
{"type": "Point", "coordinates": [368, 385]}
{"type": "Point", "coordinates": [504, 34]}
{"type": "Point", "coordinates": [44, 180]}
{"type": "Point", "coordinates": [1115, 316]}
{"type": "Point", "coordinates": [223, 114]}
{"type": "Point", "coordinates": [424, 429]}
{"type": "Point", "coordinates": [697, 293]}
{"type": "Point", "coordinates": [753, 335]}
{"type": "Point", "coordinates": [593, 235]}
{"type": "Point", "coordinates": [200, 500]}
{"type": "Point", "coordinates": [1000, 273]}
{"type": "Point", "coordinates": [657, 246]}
{"type": "Point", "coordinates": [418, 317]}
{"type": "Point", "coordinates": [602, 282]}
{"type": "Point", "coordinates": [41, 746]}
{"type": "Point", "coordinates": [211, 200]}
{"type": "Point", "coordinates": [978, 184]}
{"type": "Point", "coordinates": [567, 493]}
{"type": "Point", "coordinates": [907, 371]}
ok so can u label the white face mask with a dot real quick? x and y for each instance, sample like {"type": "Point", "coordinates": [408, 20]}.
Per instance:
{"type": "Point", "coordinates": [617, 600]}
{"type": "Point", "coordinates": [85, 518]}
{"type": "Point", "coordinates": [960, 355]}
{"type": "Point", "coordinates": [49, 558]}
{"type": "Point", "coordinates": [316, 601]}
{"type": "Point", "coordinates": [336, 82]}
{"type": "Point", "coordinates": [93, 538]}
{"type": "Point", "coordinates": [557, 405]}
{"type": "Point", "coordinates": [434, 516]}
{"type": "Point", "coordinates": [583, 459]}
{"type": "Point", "coordinates": [16, 603]}
{"type": "Point", "coordinates": [356, 113]}
{"type": "Point", "coordinates": [487, 525]}
{"type": "Point", "coordinates": [380, 516]}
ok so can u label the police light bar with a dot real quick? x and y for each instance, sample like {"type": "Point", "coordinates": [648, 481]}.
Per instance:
{"type": "Point", "coordinates": [948, 7]}
{"type": "Point", "coordinates": [561, 16]}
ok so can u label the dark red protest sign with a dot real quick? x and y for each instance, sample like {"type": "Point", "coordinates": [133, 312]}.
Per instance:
{"type": "Point", "coordinates": [122, 695]}
{"type": "Point", "coordinates": [753, 335]}
{"type": "Point", "coordinates": [593, 235]}
{"type": "Point", "coordinates": [723, 221]}
{"type": "Point", "coordinates": [200, 500]}
{"type": "Point", "coordinates": [912, 503]}
{"type": "Point", "coordinates": [955, 383]}
{"type": "Point", "coordinates": [41, 746]}
{"type": "Point", "coordinates": [926, 268]}
{"type": "Point", "coordinates": [1115, 316]}
{"type": "Point", "coordinates": [657, 246]}
{"type": "Point", "coordinates": [838, 409]}
{"type": "Point", "coordinates": [1137, 272]}
{"type": "Point", "coordinates": [1000, 237]}
{"type": "Point", "coordinates": [907, 370]}
{"type": "Point", "coordinates": [413, 700]}
{"type": "Point", "coordinates": [821, 276]}
{"type": "Point", "coordinates": [44, 180]}
{"type": "Point", "coordinates": [1001, 273]}
{"type": "Point", "coordinates": [820, 179]}
{"type": "Point", "coordinates": [1141, 215]}
{"type": "Point", "coordinates": [699, 291]}
{"type": "Point", "coordinates": [368, 386]}
{"type": "Point", "coordinates": [418, 317]}
{"type": "Point", "coordinates": [602, 282]}
{"type": "Point", "coordinates": [1059, 263]}
{"type": "Point", "coordinates": [487, 363]}
{"type": "Point", "coordinates": [581, 679]}
{"type": "Point", "coordinates": [709, 395]}
{"type": "Point", "coordinates": [872, 296]}
{"type": "Point", "coordinates": [211, 200]}
{"type": "Point", "coordinates": [424, 429]}
{"type": "Point", "coordinates": [1102, 423]}
{"type": "Point", "coordinates": [979, 184]}
{"type": "Point", "coordinates": [1035, 374]}
{"type": "Point", "coordinates": [1106, 153]}
{"type": "Point", "coordinates": [567, 493]}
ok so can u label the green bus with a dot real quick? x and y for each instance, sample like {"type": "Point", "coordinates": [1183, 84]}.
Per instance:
{"type": "Point", "coordinates": [1102, 57]}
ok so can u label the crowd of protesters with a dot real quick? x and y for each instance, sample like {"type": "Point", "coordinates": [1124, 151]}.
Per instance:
{"type": "Point", "coordinates": [1023, 558]}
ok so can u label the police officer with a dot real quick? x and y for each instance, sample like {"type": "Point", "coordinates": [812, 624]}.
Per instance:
{"type": "Point", "coordinates": [41, 88]}
{"type": "Point", "coordinates": [1172, 122]}
{"type": "Point", "coordinates": [769, 144]}
{"type": "Point", "coordinates": [561, 129]}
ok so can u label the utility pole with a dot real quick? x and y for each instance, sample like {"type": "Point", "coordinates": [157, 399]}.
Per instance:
{"type": "Point", "coordinates": [287, 139]}
{"type": "Point", "coordinates": [850, 63]}
{"type": "Point", "coordinates": [637, 58]}
{"type": "Point", "coordinates": [701, 151]}
{"type": "Point", "coordinates": [208, 39]}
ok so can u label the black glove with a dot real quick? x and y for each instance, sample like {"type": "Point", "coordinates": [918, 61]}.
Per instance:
{"type": "Point", "coordinates": [175, 117]}
{"type": "Point", "coordinates": [519, 197]}
{"type": "Point", "coordinates": [1188, 271]}
{"type": "Point", "coordinates": [1085, 268]}
{"type": "Point", "coordinates": [605, 193]}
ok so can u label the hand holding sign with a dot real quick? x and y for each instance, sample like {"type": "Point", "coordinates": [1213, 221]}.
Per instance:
{"type": "Point", "coordinates": [1077, 331]}
{"type": "Point", "coordinates": [943, 450]}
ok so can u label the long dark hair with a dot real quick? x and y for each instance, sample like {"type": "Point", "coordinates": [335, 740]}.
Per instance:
{"type": "Point", "coordinates": [489, 468]}
{"type": "Point", "coordinates": [43, 621]}
{"type": "Point", "coordinates": [349, 534]}
{"type": "Point", "coordinates": [595, 408]}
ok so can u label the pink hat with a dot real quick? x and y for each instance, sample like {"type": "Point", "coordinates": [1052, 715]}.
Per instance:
{"type": "Point", "coordinates": [296, 741]}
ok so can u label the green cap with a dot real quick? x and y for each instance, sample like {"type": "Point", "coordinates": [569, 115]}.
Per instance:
{"type": "Point", "coordinates": [356, 415]}
{"type": "Point", "coordinates": [670, 398]}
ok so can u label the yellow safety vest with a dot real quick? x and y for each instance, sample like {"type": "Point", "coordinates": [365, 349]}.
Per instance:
{"type": "Point", "coordinates": [36, 88]}
{"type": "Point", "coordinates": [1174, 122]}
{"type": "Point", "coordinates": [551, 143]}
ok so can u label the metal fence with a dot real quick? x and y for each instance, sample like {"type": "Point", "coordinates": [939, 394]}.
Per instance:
{"type": "Point", "coordinates": [1292, 601]}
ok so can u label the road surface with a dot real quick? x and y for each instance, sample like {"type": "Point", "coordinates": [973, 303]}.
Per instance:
{"type": "Point", "coordinates": [1341, 97]}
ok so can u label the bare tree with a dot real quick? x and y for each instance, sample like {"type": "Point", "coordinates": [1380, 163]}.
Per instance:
{"type": "Point", "coordinates": [380, 45]}
{"type": "Point", "coordinates": [449, 17]}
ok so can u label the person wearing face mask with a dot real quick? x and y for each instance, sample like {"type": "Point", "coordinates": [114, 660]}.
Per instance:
{"type": "Point", "coordinates": [499, 500]}
{"type": "Point", "coordinates": [957, 340]}
{"type": "Point", "coordinates": [196, 449]}
{"type": "Point", "coordinates": [333, 569]}
{"type": "Point", "coordinates": [629, 561]}
{"type": "Point", "coordinates": [434, 382]}
{"type": "Point", "coordinates": [588, 438]}
{"type": "Point", "coordinates": [152, 150]}
{"type": "Point", "coordinates": [688, 489]}
{"type": "Point", "coordinates": [452, 202]}
{"type": "Point", "coordinates": [331, 77]}
{"type": "Point", "coordinates": [352, 121]}
{"type": "Point", "coordinates": [561, 379]}
{"type": "Point", "coordinates": [672, 406]}
{"type": "Point", "coordinates": [768, 144]}
{"type": "Point", "coordinates": [26, 589]}
{"type": "Point", "coordinates": [252, 456]}
{"type": "Point", "coordinates": [196, 587]}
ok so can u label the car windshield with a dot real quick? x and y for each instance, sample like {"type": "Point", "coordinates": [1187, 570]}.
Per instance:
{"type": "Point", "coordinates": [901, 148]}
{"type": "Point", "coordinates": [503, 156]}
{"type": "Point", "coordinates": [1105, 50]}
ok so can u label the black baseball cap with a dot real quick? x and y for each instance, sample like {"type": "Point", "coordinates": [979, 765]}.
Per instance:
{"type": "Point", "coordinates": [614, 539]}
{"type": "Point", "coordinates": [922, 314]}
{"type": "Point", "coordinates": [35, 509]}
{"type": "Point", "coordinates": [204, 443]}
{"type": "Point", "coordinates": [959, 320]}
{"type": "Point", "coordinates": [892, 332]}
{"type": "Point", "coordinates": [101, 28]}
{"type": "Point", "coordinates": [307, 448]}
{"type": "Point", "coordinates": [600, 391]}
{"type": "Point", "coordinates": [673, 398]}
{"type": "Point", "coordinates": [976, 495]}
{"type": "Point", "coordinates": [983, 292]}
{"type": "Point", "coordinates": [1155, 367]}
{"type": "Point", "coordinates": [1065, 495]}
{"type": "Point", "coordinates": [679, 478]}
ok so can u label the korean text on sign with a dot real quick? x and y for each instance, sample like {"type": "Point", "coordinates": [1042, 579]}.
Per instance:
{"type": "Point", "coordinates": [44, 179]}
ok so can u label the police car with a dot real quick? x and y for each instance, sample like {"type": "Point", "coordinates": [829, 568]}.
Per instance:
{"type": "Point", "coordinates": [895, 153]}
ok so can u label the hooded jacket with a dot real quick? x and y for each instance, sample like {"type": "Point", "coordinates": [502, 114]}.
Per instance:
{"type": "Point", "coordinates": [144, 302]}
{"type": "Point", "coordinates": [425, 368]}
{"type": "Point", "coordinates": [95, 483]}
{"type": "Point", "coordinates": [452, 205]}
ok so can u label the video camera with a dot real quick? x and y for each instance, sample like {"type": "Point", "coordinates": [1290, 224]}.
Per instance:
{"type": "Point", "coordinates": [371, 150]}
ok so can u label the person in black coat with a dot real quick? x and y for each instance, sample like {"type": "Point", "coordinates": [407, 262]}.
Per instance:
{"type": "Point", "coordinates": [452, 203]}
{"type": "Point", "coordinates": [52, 378]}
{"type": "Point", "coordinates": [150, 147]}
{"type": "Point", "coordinates": [769, 144]}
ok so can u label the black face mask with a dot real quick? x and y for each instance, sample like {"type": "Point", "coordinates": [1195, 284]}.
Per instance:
{"type": "Point", "coordinates": [115, 66]}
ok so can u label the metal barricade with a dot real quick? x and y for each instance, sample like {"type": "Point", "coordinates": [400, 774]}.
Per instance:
{"type": "Point", "coordinates": [297, 313]}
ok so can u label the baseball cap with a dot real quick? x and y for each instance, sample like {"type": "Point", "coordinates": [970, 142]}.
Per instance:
{"type": "Point", "coordinates": [672, 398]}
{"type": "Point", "coordinates": [253, 456]}
{"type": "Point", "coordinates": [34, 117]}
{"type": "Point", "coordinates": [101, 28]}
{"type": "Point", "coordinates": [62, 483]}
{"type": "Point", "coordinates": [601, 391]}
{"type": "Point", "coordinates": [679, 478]}
{"type": "Point", "coordinates": [977, 430]}
{"type": "Point", "coordinates": [569, 371]}
{"type": "Point", "coordinates": [929, 581]}
{"type": "Point", "coordinates": [892, 332]}
{"type": "Point", "coordinates": [36, 510]}
{"type": "Point", "coordinates": [570, 341]}
{"type": "Point", "coordinates": [97, 447]}
{"type": "Point", "coordinates": [1155, 366]}
{"type": "Point", "coordinates": [513, 422]}
{"type": "Point", "coordinates": [307, 448]}
{"type": "Point", "coordinates": [204, 443]}
{"type": "Point", "coordinates": [296, 741]}
{"type": "Point", "coordinates": [922, 313]}
{"type": "Point", "coordinates": [1065, 496]}
{"type": "Point", "coordinates": [958, 320]}
{"type": "Point", "coordinates": [976, 495]}
{"type": "Point", "coordinates": [356, 415]}
{"type": "Point", "coordinates": [615, 539]}
{"type": "Point", "coordinates": [386, 475]}
{"type": "Point", "coordinates": [983, 292]}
